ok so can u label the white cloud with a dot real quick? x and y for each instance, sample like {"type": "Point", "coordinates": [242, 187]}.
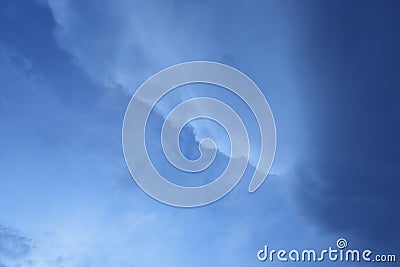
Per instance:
{"type": "Point", "coordinates": [121, 44]}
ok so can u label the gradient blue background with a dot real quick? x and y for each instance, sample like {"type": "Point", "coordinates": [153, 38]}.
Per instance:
{"type": "Point", "coordinates": [329, 69]}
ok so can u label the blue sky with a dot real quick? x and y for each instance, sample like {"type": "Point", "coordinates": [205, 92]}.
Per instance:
{"type": "Point", "coordinates": [330, 72]}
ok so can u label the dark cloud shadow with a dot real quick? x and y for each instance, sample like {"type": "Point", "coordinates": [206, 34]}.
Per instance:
{"type": "Point", "coordinates": [348, 180]}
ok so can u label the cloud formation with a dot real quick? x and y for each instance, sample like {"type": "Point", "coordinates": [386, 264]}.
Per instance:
{"type": "Point", "coordinates": [81, 203]}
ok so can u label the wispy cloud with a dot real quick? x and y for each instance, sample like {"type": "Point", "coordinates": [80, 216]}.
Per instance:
{"type": "Point", "coordinates": [116, 44]}
{"type": "Point", "coordinates": [15, 248]}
